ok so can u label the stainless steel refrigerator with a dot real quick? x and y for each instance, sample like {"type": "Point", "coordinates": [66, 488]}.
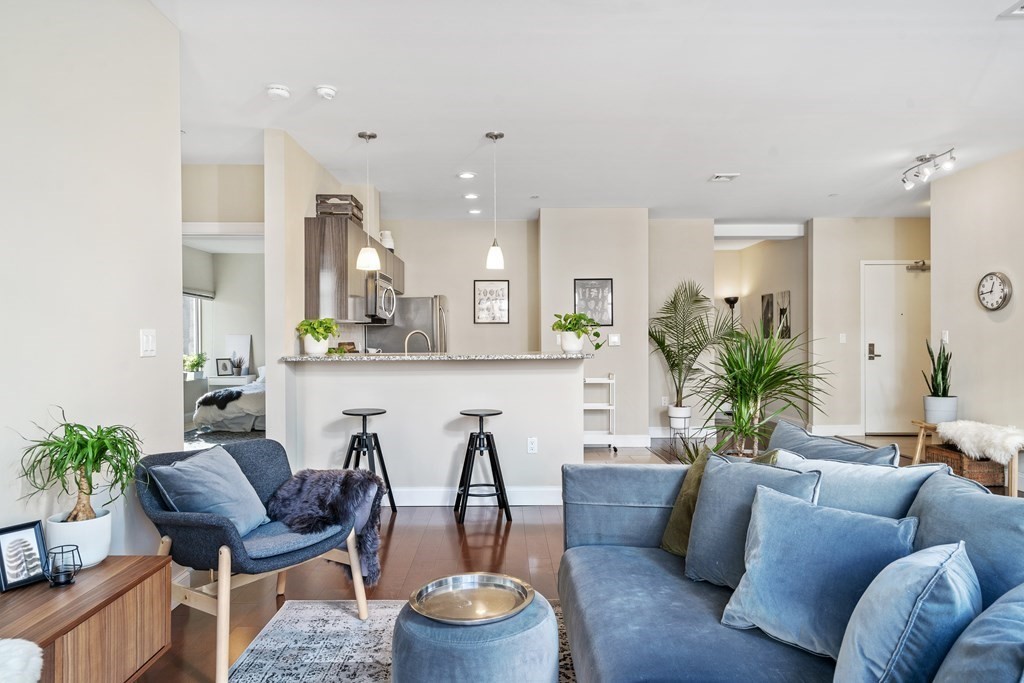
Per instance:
{"type": "Point", "coordinates": [412, 313]}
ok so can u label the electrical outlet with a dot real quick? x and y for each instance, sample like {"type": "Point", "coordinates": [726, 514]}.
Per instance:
{"type": "Point", "coordinates": [531, 444]}
{"type": "Point", "coordinates": [664, 401]}
{"type": "Point", "coordinates": [147, 343]}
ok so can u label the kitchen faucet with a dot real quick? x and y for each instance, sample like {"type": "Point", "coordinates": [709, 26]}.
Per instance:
{"type": "Point", "coordinates": [408, 336]}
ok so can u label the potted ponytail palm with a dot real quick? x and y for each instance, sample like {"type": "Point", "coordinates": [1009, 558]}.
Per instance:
{"type": "Point", "coordinates": [687, 326]}
{"type": "Point", "coordinates": [71, 455]}
{"type": "Point", "coordinates": [939, 406]}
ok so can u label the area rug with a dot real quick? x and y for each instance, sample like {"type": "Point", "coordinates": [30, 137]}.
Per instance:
{"type": "Point", "coordinates": [197, 441]}
{"type": "Point", "coordinates": [319, 641]}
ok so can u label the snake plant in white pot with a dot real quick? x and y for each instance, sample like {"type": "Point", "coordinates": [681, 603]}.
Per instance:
{"type": "Point", "coordinates": [939, 406]}
{"type": "Point", "coordinates": [686, 326]}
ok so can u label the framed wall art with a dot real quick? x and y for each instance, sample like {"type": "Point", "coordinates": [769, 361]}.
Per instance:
{"type": "Point", "coordinates": [224, 367]}
{"type": "Point", "coordinates": [767, 315]}
{"type": "Point", "coordinates": [593, 296]}
{"type": "Point", "coordinates": [22, 555]}
{"type": "Point", "coordinates": [490, 302]}
{"type": "Point", "coordinates": [785, 315]}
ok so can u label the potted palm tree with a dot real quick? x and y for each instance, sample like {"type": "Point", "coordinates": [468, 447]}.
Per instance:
{"type": "Point", "coordinates": [939, 406]}
{"type": "Point", "coordinates": [70, 456]}
{"type": "Point", "coordinates": [759, 376]}
{"type": "Point", "coordinates": [687, 326]}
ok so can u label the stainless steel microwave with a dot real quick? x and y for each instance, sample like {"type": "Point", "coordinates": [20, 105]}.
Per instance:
{"type": "Point", "coordinates": [381, 299]}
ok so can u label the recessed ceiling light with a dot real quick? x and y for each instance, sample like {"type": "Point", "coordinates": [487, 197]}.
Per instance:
{"type": "Point", "coordinates": [467, 175]}
{"type": "Point", "coordinates": [276, 91]}
{"type": "Point", "coordinates": [326, 92]}
{"type": "Point", "coordinates": [474, 211]}
{"type": "Point", "coordinates": [1016, 11]}
{"type": "Point", "coordinates": [471, 196]}
{"type": "Point", "coordinates": [723, 177]}
{"type": "Point", "coordinates": [534, 196]}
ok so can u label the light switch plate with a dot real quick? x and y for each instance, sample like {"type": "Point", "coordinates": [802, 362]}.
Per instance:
{"type": "Point", "coordinates": [614, 340]}
{"type": "Point", "coordinates": [842, 337]}
{"type": "Point", "coordinates": [147, 343]}
{"type": "Point", "coordinates": [945, 336]}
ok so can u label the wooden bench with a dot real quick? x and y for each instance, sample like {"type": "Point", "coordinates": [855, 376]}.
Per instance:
{"type": "Point", "coordinates": [925, 428]}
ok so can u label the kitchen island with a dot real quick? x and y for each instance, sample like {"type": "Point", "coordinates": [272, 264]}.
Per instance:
{"type": "Point", "coordinates": [423, 436]}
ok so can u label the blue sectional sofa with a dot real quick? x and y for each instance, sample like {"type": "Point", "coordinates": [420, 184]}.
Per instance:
{"type": "Point", "coordinates": [631, 614]}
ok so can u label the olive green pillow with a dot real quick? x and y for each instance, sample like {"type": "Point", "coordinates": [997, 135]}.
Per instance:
{"type": "Point", "coordinates": [677, 533]}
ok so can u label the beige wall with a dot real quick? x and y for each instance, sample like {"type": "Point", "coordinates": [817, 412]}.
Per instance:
{"type": "Point", "coordinates": [445, 257]}
{"type": "Point", "coordinates": [678, 250]}
{"type": "Point", "coordinates": [728, 280]}
{"type": "Point", "coordinates": [595, 243]}
{"type": "Point", "coordinates": [978, 227]}
{"type": "Point", "coordinates": [770, 267]}
{"type": "Point", "coordinates": [292, 178]}
{"type": "Point", "coordinates": [836, 246]}
{"type": "Point", "coordinates": [239, 306]}
{"type": "Point", "coordinates": [231, 193]}
{"type": "Point", "coordinates": [79, 286]}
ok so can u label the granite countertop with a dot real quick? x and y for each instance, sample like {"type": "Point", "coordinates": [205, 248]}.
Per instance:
{"type": "Point", "coordinates": [402, 357]}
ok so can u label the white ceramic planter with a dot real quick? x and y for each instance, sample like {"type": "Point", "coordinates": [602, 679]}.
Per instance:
{"type": "Point", "coordinates": [92, 536]}
{"type": "Point", "coordinates": [939, 409]}
{"type": "Point", "coordinates": [679, 416]}
{"type": "Point", "coordinates": [570, 342]}
{"type": "Point", "coordinates": [314, 347]}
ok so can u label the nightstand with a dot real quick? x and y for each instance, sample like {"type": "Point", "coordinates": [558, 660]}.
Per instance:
{"type": "Point", "coordinates": [230, 381]}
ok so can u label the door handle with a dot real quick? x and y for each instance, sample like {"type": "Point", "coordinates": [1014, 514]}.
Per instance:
{"type": "Point", "coordinates": [871, 352]}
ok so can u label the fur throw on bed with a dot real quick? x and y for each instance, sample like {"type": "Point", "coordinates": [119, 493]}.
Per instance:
{"type": "Point", "coordinates": [313, 500]}
{"type": "Point", "coordinates": [978, 440]}
{"type": "Point", "coordinates": [220, 398]}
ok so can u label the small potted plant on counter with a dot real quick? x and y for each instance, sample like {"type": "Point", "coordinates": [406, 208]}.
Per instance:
{"type": "Point", "coordinates": [939, 406]}
{"type": "Point", "coordinates": [573, 327]}
{"type": "Point", "coordinates": [194, 364]}
{"type": "Point", "coordinates": [316, 335]}
{"type": "Point", "coordinates": [70, 456]}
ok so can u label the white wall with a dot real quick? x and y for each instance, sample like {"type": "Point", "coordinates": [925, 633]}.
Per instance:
{"type": "Point", "coordinates": [678, 250]}
{"type": "Point", "coordinates": [444, 257]}
{"type": "Point", "coordinates": [836, 246]}
{"type": "Point", "coordinates": [603, 243]}
{"type": "Point", "coordinates": [239, 307]}
{"type": "Point", "coordinates": [93, 123]}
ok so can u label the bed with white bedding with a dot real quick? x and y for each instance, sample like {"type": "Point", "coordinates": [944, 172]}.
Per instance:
{"type": "Point", "coordinates": [233, 409]}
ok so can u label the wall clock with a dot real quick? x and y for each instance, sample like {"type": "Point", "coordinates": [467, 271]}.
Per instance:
{"type": "Point", "coordinates": [994, 291]}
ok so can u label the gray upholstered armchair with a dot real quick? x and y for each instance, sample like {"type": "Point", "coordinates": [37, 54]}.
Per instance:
{"type": "Point", "coordinates": [211, 542]}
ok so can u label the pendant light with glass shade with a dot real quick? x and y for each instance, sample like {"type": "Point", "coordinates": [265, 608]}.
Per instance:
{"type": "Point", "coordinates": [368, 258]}
{"type": "Point", "coordinates": [495, 259]}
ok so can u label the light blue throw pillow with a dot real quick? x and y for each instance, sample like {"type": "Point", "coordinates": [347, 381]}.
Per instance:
{"type": "Point", "coordinates": [211, 481]}
{"type": "Point", "coordinates": [884, 490]}
{"type": "Point", "coordinates": [794, 438]}
{"type": "Point", "coordinates": [909, 618]}
{"type": "Point", "coordinates": [719, 531]}
{"type": "Point", "coordinates": [807, 566]}
{"type": "Point", "coordinates": [991, 648]}
{"type": "Point", "coordinates": [953, 509]}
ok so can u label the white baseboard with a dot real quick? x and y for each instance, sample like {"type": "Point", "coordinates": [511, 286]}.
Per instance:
{"type": "Point", "coordinates": [836, 430]}
{"type": "Point", "coordinates": [665, 432]}
{"type": "Point", "coordinates": [444, 496]}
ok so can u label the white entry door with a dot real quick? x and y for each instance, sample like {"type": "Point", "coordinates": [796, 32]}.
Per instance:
{"type": "Point", "coordinates": [896, 322]}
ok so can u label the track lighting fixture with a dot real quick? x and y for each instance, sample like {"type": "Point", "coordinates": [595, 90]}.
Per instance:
{"type": "Point", "coordinates": [926, 167]}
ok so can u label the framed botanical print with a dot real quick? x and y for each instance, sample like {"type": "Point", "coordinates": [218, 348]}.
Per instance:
{"type": "Point", "coordinates": [22, 555]}
{"type": "Point", "coordinates": [490, 302]}
{"type": "Point", "coordinates": [593, 296]}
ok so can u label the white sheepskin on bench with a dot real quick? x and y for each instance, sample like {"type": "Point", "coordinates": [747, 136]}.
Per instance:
{"type": "Point", "coordinates": [978, 440]}
{"type": "Point", "coordinates": [21, 661]}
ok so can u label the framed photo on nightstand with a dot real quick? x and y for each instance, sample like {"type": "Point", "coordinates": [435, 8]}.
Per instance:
{"type": "Point", "coordinates": [224, 367]}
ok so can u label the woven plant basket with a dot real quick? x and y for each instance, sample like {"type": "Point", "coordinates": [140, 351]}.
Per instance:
{"type": "Point", "coordinates": [986, 472]}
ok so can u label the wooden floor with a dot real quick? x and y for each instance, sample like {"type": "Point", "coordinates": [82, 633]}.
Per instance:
{"type": "Point", "coordinates": [417, 545]}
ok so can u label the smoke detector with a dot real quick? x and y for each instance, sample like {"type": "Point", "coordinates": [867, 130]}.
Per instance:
{"type": "Point", "coordinates": [326, 92]}
{"type": "Point", "coordinates": [278, 92]}
{"type": "Point", "coordinates": [723, 177]}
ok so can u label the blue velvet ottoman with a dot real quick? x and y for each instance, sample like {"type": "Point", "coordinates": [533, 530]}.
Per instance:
{"type": "Point", "coordinates": [523, 648]}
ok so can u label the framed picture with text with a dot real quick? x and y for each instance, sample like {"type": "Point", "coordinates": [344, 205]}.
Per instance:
{"type": "Point", "coordinates": [593, 296]}
{"type": "Point", "coordinates": [490, 302]}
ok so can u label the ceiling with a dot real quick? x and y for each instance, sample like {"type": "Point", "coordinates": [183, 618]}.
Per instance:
{"type": "Point", "coordinates": [819, 105]}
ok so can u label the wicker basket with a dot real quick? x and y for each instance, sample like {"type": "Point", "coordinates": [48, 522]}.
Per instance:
{"type": "Point", "coordinates": [985, 472]}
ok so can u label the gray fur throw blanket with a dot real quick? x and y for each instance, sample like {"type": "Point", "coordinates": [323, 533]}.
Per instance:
{"type": "Point", "coordinates": [313, 500]}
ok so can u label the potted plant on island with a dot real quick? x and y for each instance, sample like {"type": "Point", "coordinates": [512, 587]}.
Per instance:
{"type": "Point", "coordinates": [939, 406]}
{"type": "Point", "coordinates": [194, 364]}
{"type": "Point", "coordinates": [316, 335]}
{"type": "Point", "coordinates": [71, 455]}
{"type": "Point", "coordinates": [687, 326]}
{"type": "Point", "coordinates": [760, 376]}
{"type": "Point", "coordinates": [573, 327]}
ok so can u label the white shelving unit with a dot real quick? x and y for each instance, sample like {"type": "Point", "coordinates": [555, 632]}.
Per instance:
{"type": "Point", "coordinates": [600, 438]}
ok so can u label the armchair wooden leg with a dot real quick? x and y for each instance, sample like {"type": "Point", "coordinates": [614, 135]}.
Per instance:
{"type": "Point", "coordinates": [223, 612]}
{"type": "Point", "coordinates": [357, 575]}
{"type": "Point", "coordinates": [282, 579]}
{"type": "Point", "coordinates": [165, 546]}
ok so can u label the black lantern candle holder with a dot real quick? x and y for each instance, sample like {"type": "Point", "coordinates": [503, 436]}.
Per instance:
{"type": "Point", "coordinates": [63, 562]}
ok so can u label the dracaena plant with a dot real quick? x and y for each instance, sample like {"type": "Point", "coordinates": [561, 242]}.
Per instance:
{"type": "Point", "coordinates": [938, 383]}
{"type": "Point", "coordinates": [71, 455]}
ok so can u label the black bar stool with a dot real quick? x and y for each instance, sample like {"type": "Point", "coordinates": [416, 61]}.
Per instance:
{"type": "Point", "coordinates": [481, 442]}
{"type": "Point", "coordinates": [366, 443]}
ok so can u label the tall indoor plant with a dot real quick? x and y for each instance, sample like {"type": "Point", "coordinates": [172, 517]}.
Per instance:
{"type": "Point", "coordinates": [686, 326]}
{"type": "Point", "coordinates": [760, 376]}
{"type": "Point", "coordinates": [71, 456]}
{"type": "Point", "coordinates": [939, 406]}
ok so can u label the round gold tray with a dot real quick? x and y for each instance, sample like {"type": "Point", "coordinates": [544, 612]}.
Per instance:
{"type": "Point", "coordinates": [472, 599]}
